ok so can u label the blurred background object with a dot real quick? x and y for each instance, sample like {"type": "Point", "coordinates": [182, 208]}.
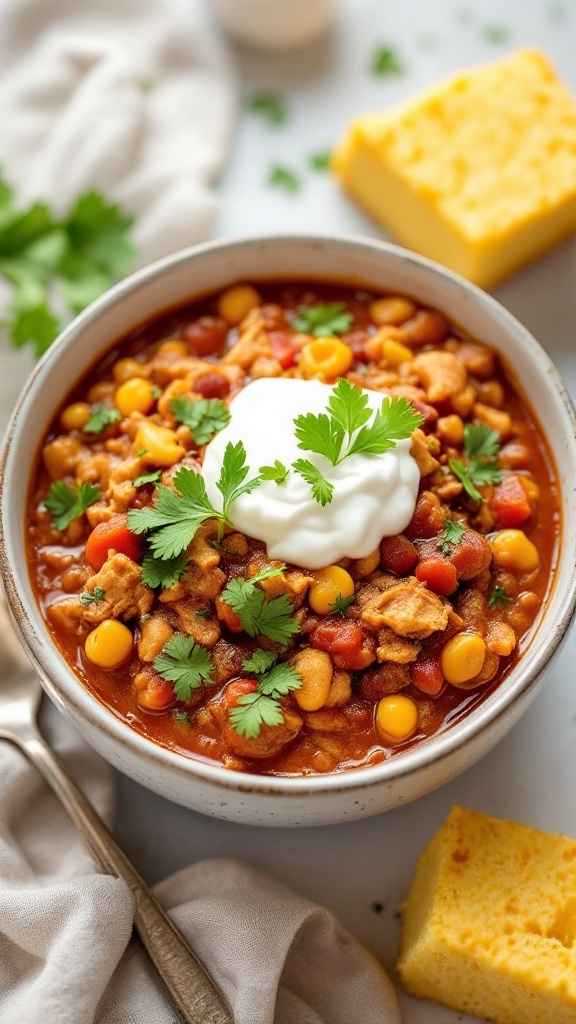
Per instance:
{"type": "Point", "coordinates": [275, 24]}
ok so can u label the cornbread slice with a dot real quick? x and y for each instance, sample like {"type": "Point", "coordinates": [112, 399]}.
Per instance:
{"type": "Point", "coordinates": [479, 172]}
{"type": "Point", "coordinates": [490, 922]}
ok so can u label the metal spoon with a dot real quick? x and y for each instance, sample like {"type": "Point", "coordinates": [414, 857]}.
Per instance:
{"type": "Point", "coordinates": [192, 990]}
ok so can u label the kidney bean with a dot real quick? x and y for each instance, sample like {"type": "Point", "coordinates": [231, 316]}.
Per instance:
{"type": "Point", "coordinates": [212, 385]}
{"type": "Point", "coordinates": [205, 335]}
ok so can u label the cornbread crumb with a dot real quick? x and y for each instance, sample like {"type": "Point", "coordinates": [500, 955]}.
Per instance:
{"type": "Point", "coordinates": [490, 922]}
{"type": "Point", "coordinates": [478, 172]}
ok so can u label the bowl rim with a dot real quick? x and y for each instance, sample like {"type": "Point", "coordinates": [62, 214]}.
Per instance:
{"type": "Point", "coordinates": [70, 692]}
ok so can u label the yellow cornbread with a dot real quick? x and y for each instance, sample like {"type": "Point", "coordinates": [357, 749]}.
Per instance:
{"type": "Point", "coordinates": [478, 172]}
{"type": "Point", "coordinates": [490, 922]}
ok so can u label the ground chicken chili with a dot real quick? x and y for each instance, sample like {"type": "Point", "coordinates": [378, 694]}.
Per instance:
{"type": "Point", "coordinates": [188, 630]}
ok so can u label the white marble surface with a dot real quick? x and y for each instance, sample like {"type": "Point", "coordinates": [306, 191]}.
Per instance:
{"type": "Point", "coordinates": [530, 775]}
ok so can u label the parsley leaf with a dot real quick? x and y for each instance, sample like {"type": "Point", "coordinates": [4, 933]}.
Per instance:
{"type": "Point", "coordinates": [481, 444]}
{"type": "Point", "coordinates": [341, 604]}
{"type": "Point", "coordinates": [277, 473]}
{"type": "Point", "coordinates": [252, 710]}
{"type": "Point", "coordinates": [385, 62]}
{"type": "Point", "coordinates": [204, 417]}
{"type": "Point", "coordinates": [261, 616]}
{"type": "Point", "coordinates": [184, 663]}
{"type": "Point", "coordinates": [499, 596]}
{"type": "Point", "coordinates": [269, 106]}
{"type": "Point", "coordinates": [284, 177]}
{"type": "Point", "coordinates": [323, 320]}
{"type": "Point", "coordinates": [148, 478]}
{"type": "Point", "coordinates": [101, 417]}
{"type": "Point", "coordinates": [162, 572]}
{"type": "Point", "coordinates": [87, 598]}
{"type": "Point", "coordinates": [322, 489]}
{"type": "Point", "coordinates": [320, 161]}
{"type": "Point", "coordinates": [67, 503]}
{"type": "Point", "coordinates": [451, 535]}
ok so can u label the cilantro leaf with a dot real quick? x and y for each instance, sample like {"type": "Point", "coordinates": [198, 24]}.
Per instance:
{"type": "Point", "coordinates": [252, 710]}
{"type": "Point", "coordinates": [162, 572]}
{"type": "Point", "coordinates": [385, 62]}
{"type": "Point", "coordinates": [260, 661]}
{"type": "Point", "coordinates": [37, 325]}
{"type": "Point", "coordinates": [499, 596]}
{"type": "Point", "coordinates": [97, 235]}
{"type": "Point", "coordinates": [319, 434]}
{"type": "Point", "coordinates": [203, 417]}
{"type": "Point", "coordinates": [174, 518]}
{"type": "Point", "coordinates": [348, 406]}
{"type": "Point", "coordinates": [341, 604]}
{"type": "Point", "coordinates": [88, 597]}
{"type": "Point", "coordinates": [475, 475]}
{"type": "Point", "coordinates": [480, 441]}
{"type": "Point", "coordinates": [451, 535]}
{"type": "Point", "coordinates": [269, 106]}
{"type": "Point", "coordinates": [148, 478]}
{"type": "Point", "coordinates": [320, 161]}
{"type": "Point", "coordinates": [280, 680]}
{"type": "Point", "coordinates": [184, 663]}
{"type": "Point", "coordinates": [323, 320]}
{"type": "Point", "coordinates": [101, 417]}
{"type": "Point", "coordinates": [322, 489]}
{"type": "Point", "coordinates": [261, 616]}
{"type": "Point", "coordinates": [277, 473]}
{"type": "Point", "coordinates": [394, 421]}
{"type": "Point", "coordinates": [67, 503]}
{"type": "Point", "coordinates": [234, 472]}
{"type": "Point", "coordinates": [285, 178]}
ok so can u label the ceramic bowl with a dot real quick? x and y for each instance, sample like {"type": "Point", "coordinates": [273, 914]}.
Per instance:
{"type": "Point", "coordinates": [176, 280]}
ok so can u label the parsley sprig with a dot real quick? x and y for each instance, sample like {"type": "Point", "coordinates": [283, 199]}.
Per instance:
{"type": "Point", "coordinates": [260, 615]}
{"type": "Point", "coordinates": [177, 514]}
{"type": "Point", "coordinates": [481, 445]}
{"type": "Point", "coordinates": [185, 664]}
{"type": "Point", "coordinates": [323, 320]}
{"type": "Point", "coordinates": [275, 680]}
{"type": "Point", "coordinates": [203, 417]}
{"type": "Point", "coordinates": [450, 537]}
{"type": "Point", "coordinates": [66, 503]}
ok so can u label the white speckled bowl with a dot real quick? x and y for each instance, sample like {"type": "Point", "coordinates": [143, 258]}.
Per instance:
{"type": "Point", "coordinates": [178, 279]}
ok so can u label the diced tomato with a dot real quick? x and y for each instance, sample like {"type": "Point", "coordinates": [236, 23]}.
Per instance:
{"type": "Point", "coordinates": [356, 341]}
{"type": "Point", "coordinates": [429, 517]}
{"type": "Point", "coordinates": [282, 348]}
{"type": "Point", "coordinates": [346, 642]}
{"type": "Point", "coordinates": [205, 335]}
{"type": "Point", "coordinates": [398, 554]}
{"type": "Point", "coordinates": [471, 555]}
{"type": "Point", "coordinates": [439, 575]}
{"type": "Point", "coordinates": [113, 535]}
{"type": "Point", "coordinates": [427, 675]}
{"type": "Point", "coordinates": [212, 385]}
{"type": "Point", "coordinates": [510, 502]}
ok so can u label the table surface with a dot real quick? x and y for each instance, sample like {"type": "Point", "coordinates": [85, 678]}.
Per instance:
{"type": "Point", "coordinates": [362, 870]}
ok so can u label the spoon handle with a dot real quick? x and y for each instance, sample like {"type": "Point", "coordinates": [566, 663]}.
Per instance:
{"type": "Point", "coordinates": [191, 988]}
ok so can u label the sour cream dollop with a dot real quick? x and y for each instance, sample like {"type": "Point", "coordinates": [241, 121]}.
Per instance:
{"type": "Point", "coordinates": [374, 495]}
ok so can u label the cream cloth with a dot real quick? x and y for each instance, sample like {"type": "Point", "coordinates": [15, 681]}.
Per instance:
{"type": "Point", "coordinates": [64, 929]}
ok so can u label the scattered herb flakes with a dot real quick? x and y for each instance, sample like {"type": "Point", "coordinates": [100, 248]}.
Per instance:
{"type": "Point", "coordinates": [261, 616]}
{"type": "Point", "coordinates": [276, 679]}
{"type": "Point", "coordinates": [101, 417]}
{"type": "Point", "coordinates": [481, 445]}
{"type": "Point", "coordinates": [185, 664]}
{"type": "Point", "coordinates": [148, 478]}
{"type": "Point", "coordinates": [277, 473]}
{"type": "Point", "coordinates": [182, 718]}
{"type": "Point", "coordinates": [496, 33]}
{"type": "Point", "coordinates": [202, 613]}
{"type": "Point", "coordinates": [283, 177]}
{"type": "Point", "coordinates": [88, 597]}
{"type": "Point", "coordinates": [270, 106]}
{"type": "Point", "coordinates": [386, 62]}
{"type": "Point", "coordinates": [451, 536]}
{"type": "Point", "coordinates": [162, 572]}
{"type": "Point", "coordinates": [340, 605]}
{"type": "Point", "coordinates": [324, 320]}
{"type": "Point", "coordinates": [320, 161]}
{"type": "Point", "coordinates": [141, 453]}
{"type": "Point", "coordinates": [203, 417]}
{"type": "Point", "coordinates": [67, 503]}
{"type": "Point", "coordinates": [499, 595]}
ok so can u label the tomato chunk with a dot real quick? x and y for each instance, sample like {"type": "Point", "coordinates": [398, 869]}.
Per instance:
{"type": "Point", "coordinates": [471, 556]}
{"type": "Point", "coordinates": [398, 554]}
{"type": "Point", "coordinates": [270, 739]}
{"type": "Point", "coordinates": [282, 348]}
{"type": "Point", "coordinates": [510, 502]}
{"type": "Point", "coordinates": [439, 575]}
{"type": "Point", "coordinates": [205, 335]}
{"type": "Point", "coordinates": [346, 642]}
{"type": "Point", "coordinates": [113, 535]}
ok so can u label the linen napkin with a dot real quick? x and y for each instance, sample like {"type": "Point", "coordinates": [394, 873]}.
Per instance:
{"type": "Point", "coordinates": [65, 950]}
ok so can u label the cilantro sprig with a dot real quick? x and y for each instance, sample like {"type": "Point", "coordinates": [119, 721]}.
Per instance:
{"type": "Point", "coordinates": [481, 446]}
{"type": "Point", "coordinates": [270, 106]}
{"type": "Point", "coordinates": [323, 320]}
{"type": "Point", "coordinates": [73, 258]}
{"type": "Point", "coordinates": [450, 537]}
{"type": "Point", "coordinates": [177, 514]}
{"type": "Point", "coordinates": [260, 615]}
{"type": "Point", "coordinates": [262, 707]}
{"type": "Point", "coordinates": [101, 416]}
{"type": "Point", "coordinates": [278, 473]}
{"type": "Point", "coordinates": [498, 596]}
{"type": "Point", "coordinates": [87, 598]}
{"type": "Point", "coordinates": [340, 605]}
{"type": "Point", "coordinates": [185, 664]}
{"type": "Point", "coordinates": [203, 417]}
{"type": "Point", "coordinates": [162, 572]}
{"type": "Point", "coordinates": [285, 178]}
{"type": "Point", "coordinates": [66, 503]}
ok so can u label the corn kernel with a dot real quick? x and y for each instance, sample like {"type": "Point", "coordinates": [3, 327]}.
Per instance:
{"type": "Point", "coordinates": [124, 369]}
{"type": "Point", "coordinates": [159, 444]}
{"type": "Point", "coordinates": [396, 718]}
{"type": "Point", "coordinates": [394, 309]}
{"type": "Point", "coordinates": [328, 585]}
{"type": "Point", "coordinates": [109, 645]}
{"type": "Point", "coordinates": [235, 303]}
{"type": "Point", "coordinates": [75, 416]}
{"type": "Point", "coordinates": [172, 348]}
{"type": "Point", "coordinates": [511, 549]}
{"type": "Point", "coordinates": [462, 658]}
{"type": "Point", "coordinates": [328, 357]}
{"type": "Point", "coordinates": [135, 395]}
{"type": "Point", "coordinates": [395, 353]}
